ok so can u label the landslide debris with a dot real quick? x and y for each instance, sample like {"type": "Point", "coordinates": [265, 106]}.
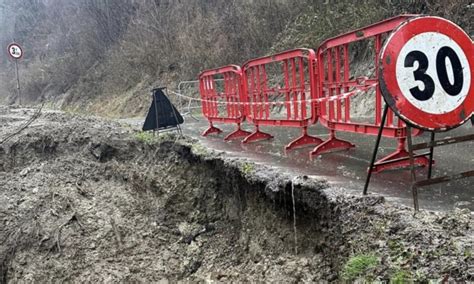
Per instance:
{"type": "Point", "coordinates": [84, 199]}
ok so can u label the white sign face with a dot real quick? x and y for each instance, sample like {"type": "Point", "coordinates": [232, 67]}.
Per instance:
{"type": "Point", "coordinates": [15, 51]}
{"type": "Point", "coordinates": [433, 73]}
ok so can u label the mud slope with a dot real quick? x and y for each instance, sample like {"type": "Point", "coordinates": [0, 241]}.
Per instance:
{"type": "Point", "coordinates": [83, 199]}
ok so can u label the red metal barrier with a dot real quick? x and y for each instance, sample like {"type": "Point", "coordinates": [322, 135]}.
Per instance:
{"type": "Point", "coordinates": [336, 75]}
{"type": "Point", "coordinates": [283, 100]}
{"type": "Point", "coordinates": [222, 97]}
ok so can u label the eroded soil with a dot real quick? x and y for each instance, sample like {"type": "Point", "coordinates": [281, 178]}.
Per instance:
{"type": "Point", "coordinates": [85, 199]}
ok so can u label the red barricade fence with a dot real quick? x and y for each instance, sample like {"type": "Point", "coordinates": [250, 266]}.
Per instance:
{"type": "Point", "coordinates": [285, 99]}
{"type": "Point", "coordinates": [337, 74]}
{"type": "Point", "coordinates": [297, 88]}
{"type": "Point", "coordinates": [222, 98]}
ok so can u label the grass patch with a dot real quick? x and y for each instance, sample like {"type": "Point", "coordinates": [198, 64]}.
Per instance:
{"type": "Point", "coordinates": [146, 137]}
{"type": "Point", "coordinates": [199, 149]}
{"type": "Point", "coordinates": [359, 266]}
{"type": "Point", "coordinates": [150, 138]}
{"type": "Point", "coordinates": [401, 276]}
{"type": "Point", "coordinates": [247, 168]}
{"type": "Point", "coordinates": [468, 253]}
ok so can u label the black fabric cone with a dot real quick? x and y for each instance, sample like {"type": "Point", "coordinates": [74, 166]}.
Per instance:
{"type": "Point", "coordinates": [166, 117]}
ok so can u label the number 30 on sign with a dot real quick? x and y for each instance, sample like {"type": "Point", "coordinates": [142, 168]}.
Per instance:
{"type": "Point", "coordinates": [426, 73]}
{"type": "Point", "coordinates": [15, 51]}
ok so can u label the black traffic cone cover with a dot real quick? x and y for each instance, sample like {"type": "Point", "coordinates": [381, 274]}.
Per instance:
{"type": "Point", "coordinates": [168, 115]}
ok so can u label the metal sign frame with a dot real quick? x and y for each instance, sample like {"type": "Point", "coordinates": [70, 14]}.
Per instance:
{"type": "Point", "coordinates": [430, 180]}
{"type": "Point", "coordinates": [396, 101]}
{"type": "Point", "coordinates": [417, 183]}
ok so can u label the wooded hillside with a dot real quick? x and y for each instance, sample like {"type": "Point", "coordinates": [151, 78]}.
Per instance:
{"type": "Point", "coordinates": [104, 55]}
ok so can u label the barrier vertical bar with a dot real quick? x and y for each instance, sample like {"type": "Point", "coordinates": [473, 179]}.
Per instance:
{"type": "Point", "coordinates": [330, 82]}
{"type": "Point", "coordinates": [378, 95]}
{"type": "Point", "coordinates": [266, 105]}
{"type": "Point", "coordinates": [227, 87]}
{"type": "Point", "coordinates": [338, 87]}
{"type": "Point", "coordinates": [347, 113]}
{"type": "Point", "coordinates": [302, 87]}
{"type": "Point", "coordinates": [293, 88]}
{"type": "Point", "coordinates": [287, 88]}
{"type": "Point", "coordinates": [230, 97]}
{"type": "Point", "coordinates": [252, 91]}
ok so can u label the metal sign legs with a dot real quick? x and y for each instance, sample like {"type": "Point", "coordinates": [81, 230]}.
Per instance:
{"type": "Point", "coordinates": [417, 183]}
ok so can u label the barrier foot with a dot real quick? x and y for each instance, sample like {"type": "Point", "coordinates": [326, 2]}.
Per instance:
{"type": "Point", "coordinates": [303, 140]}
{"type": "Point", "coordinates": [400, 159]}
{"type": "Point", "coordinates": [257, 135]}
{"type": "Point", "coordinates": [212, 129]}
{"type": "Point", "coordinates": [331, 145]}
{"type": "Point", "coordinates": [239, 132]}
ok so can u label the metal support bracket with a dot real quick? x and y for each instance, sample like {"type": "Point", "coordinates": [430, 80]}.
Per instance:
{"type": "Point", "coordinates": [430, 180]}
{"type": "Point", "coordinates": [412, 159]}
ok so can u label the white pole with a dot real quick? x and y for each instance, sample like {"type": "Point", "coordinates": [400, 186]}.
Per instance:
{"type": "Point", "coordinates": [18, 82]}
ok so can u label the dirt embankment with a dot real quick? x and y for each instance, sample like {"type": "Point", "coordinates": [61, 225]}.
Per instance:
{"type": "Point", "coordinates": [82, 199]}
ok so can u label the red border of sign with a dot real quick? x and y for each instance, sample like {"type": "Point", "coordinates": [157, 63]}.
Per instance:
{"type": "Point", "coordinates": [8, 50]}
{"type": "Point", "coordinates": [388, 81]}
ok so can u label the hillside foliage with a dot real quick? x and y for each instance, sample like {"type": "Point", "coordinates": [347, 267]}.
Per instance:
{"type": "Point", "coordinates": [104, 56]}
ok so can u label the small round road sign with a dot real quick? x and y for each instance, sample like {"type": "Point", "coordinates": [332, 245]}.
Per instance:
{"type": "Point", "coordinates": [15, 51]}
{"type": "Point", "coordinates": [426, 73]}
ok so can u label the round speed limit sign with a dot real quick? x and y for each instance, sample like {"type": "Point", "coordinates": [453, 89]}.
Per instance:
{"type": "Point", "coordinates": [15, 51]}
{"type": "Point", "coordinates": [426, 73]}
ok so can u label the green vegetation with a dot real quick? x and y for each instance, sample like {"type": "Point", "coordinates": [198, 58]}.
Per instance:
{"type": "Point", "coordinates": [247, 168]}
{"type": "Point", "coordinates": [146, 137]}
{"type": "Point", "coordinates": [199, 149]}
{"type": "Point", "coordinates": [359, 266]}
{"type": "Point", "coordinates": [150, 138]}
{"type": "Point", "coordinates": [468, 253]}
{"type": "Point", "coordinates": [401, 276]}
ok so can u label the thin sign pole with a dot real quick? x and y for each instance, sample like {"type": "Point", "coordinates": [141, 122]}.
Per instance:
{"type": "Point", "coordinates": [414, 187]}
{"type": "Point", "coordinates": [376, 148]}
{"type": "Point", "coordinates": [18, 82]}
{"type": "Point", "coordinates": [16, 52]}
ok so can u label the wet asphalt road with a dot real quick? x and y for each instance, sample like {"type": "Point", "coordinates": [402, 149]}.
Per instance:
{"type": "Point", "coordinates": [347, 169]}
